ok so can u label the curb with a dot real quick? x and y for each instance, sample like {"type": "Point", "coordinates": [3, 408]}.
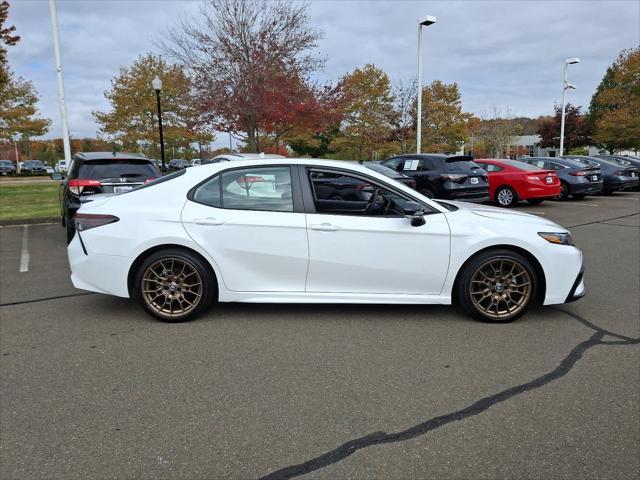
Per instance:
{"type": "Point", "coordinates": [29, 221]}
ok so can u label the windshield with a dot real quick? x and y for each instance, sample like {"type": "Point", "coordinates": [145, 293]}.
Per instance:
{"type": "Point", "coordinates": [130, 169]}
{"type": "Point", "coordinates": [36, 163]}
{"type": "Point", "coordinates": [6, 163]}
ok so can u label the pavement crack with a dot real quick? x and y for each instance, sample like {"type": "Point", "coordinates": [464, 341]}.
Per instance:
{"type": "Point", "coordinates": [45, 299]}
{"type": "Point", "coordinates": [378, 438]}
{"type": "Point", "coordinates": [603, 220]}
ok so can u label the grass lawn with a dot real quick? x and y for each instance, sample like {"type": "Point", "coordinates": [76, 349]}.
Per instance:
{"type": "Point", "coordinates": [31, 200]}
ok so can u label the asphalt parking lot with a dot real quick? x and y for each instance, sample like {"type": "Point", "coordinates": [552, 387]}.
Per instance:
{"type": "Point", "coordinates": [92, 387]}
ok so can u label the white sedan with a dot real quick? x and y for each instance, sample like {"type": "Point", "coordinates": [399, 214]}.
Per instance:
{"type": "Point", "coordinates": [315, 231]}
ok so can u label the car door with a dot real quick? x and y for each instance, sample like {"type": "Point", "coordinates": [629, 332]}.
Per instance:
{"type": "Point", "coordinates": [359, 242]}
{"type": "Point", "coordinates": [251, 221]}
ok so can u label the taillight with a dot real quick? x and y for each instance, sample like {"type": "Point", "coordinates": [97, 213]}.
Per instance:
{"type": "Point", "coordinates": [77, 185]}
{"type": "Point", "coordinates": [534, 177]}
{"type": "Point", "coordinates": [86, 221]}
{"type": "Point", "coordinates": [579, 173]}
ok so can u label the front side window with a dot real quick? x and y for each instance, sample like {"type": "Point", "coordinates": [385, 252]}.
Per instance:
{"type": "Point", "coordinates": [340, 194]}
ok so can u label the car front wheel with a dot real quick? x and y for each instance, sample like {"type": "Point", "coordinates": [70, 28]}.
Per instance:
{"type": "Point", "coordinates": [174, 285]}
{"type": "Point", "coordinates": [496, 286]}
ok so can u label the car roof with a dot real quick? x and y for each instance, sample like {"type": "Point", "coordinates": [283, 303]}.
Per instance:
{"type": "Point", "coordinates": [90, 156]}
{"type": "Point", "coordinates": [249, 156]}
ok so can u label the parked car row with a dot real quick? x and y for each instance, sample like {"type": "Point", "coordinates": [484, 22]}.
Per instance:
{"type": "Point", "coordinates": [28, 167]}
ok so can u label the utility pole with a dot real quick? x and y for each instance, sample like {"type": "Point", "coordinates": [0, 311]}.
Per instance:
{"type": "Point", "coordinates": [61, 100]}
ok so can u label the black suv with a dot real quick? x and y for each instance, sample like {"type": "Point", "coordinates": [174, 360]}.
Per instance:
{"type": "Point", "coordinates": [454, 177]}
{"type": "Point", "coordinates": [100, 172]}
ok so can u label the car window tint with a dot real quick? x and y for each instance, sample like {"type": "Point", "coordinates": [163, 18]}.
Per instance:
{"type": "Point", "coordinates": [424, 164]}
{"type": "Point", "coordinates": [254, 188]}
{"type": "Point", "coordinates": [208, 193]}
{"type": "Point", "coordinates": [109, 169]}
{"type": "Point", "coordinates": [340, 194]}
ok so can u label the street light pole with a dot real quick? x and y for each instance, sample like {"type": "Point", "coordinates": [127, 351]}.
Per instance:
{"type": "Point", "coordinates": [63, 106]}
{"type": "Point", "coordinates": [426, 21]}
{"type": "Point", "coordinates": [156, 84]}
{"type": "Point", "coordinates": [565, 86]}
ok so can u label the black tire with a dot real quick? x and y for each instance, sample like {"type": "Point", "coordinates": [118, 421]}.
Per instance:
{"type": "Point", "coordinates": [535, 201]}
{"type": "Point", "coordinates": [201, 272]}
{"type": "Point", "coordinates": [427, 192]}
{"type": "Point", "coordinates": [462, 293]}
{"type": "Point", "coordinates": [506, 197]}
{"type": "Point", "coordinates": [564, 191]}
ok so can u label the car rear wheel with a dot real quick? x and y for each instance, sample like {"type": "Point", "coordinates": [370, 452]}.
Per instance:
{"type": "Point", "coordinates": [506, 197]}
{"type": "Point", "coordinates": [496, 286]}
{"type": "Point", "coordinates": [174, 285]}
{"type": "Point", "coordinates": [564, 192]}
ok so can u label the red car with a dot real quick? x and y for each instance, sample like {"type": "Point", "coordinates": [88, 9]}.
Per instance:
{"type": "Point", "coordinates": [511, 181]}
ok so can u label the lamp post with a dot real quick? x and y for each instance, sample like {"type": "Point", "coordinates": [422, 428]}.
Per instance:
{"type": "Point", "coordinates": [426, 21]}
{"type": "Point", "coordinates": [156, 84]}
{"type": "Point", "coordinates": [565, 86]}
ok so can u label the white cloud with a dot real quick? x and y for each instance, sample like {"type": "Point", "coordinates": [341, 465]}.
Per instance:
{"type": "Point", "coordinates": [504, 54]}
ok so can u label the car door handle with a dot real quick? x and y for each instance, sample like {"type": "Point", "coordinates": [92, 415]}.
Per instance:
{"type": "Point", "coordinates": [325, 227]}
{"type": "Point", "coordinates": [208, 221]}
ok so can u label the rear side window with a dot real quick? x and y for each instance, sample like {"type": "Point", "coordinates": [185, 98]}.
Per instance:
{"type": "Point", "coordinates": [267, 189]}
{"type": "Point", "coordinates": [489, 167]}
{"type": "Point", "coordinates": [108, 169]}
{"type": "Point", "coordinates": [208, 193]}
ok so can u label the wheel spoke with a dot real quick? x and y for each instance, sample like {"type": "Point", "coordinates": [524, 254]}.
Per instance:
{"type": "Point", "coordinates": [168, 275]}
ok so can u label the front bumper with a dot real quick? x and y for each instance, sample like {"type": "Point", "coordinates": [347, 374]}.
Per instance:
{"type": "Point", "coordinates": [578, 289]}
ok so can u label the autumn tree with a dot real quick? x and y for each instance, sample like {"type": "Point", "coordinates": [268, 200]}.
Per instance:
{"type": "Point", "coordinates": [575, 128]}
{"type": "Point", "coordinates": [132, 120]}
{"type": "Point", "coordinates": [19, 114]}
{"type": "Point", "coordinates": [403, 115]}
{"type": "Point", "coordinates": [368, 110]}
{"type": "Point", "coordinates": [497, 134]}
{"type": "Point", "coordinates": [240, 53]}
{"type": "Point", "coordinates": [7, 37]}
{"type": "Point", "coordinates": [443, 121]}
{"type": "Point", "coordinates": [614, 112]}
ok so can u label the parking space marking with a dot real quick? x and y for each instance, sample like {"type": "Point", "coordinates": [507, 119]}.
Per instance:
{"type": "Point", "coordinates": [24, 256]}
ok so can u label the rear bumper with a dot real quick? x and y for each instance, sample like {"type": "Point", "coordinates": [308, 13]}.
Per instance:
{"type": "Point", "coordinates": [97, 272]}
{"type": "Point", "coordinates": [588, 188]}
{"type": "Point", "coordinates": [466, 194]}
{"type": "Point", "coordinates": [540, 192]}
{"type": "Point", "coordinates": [620, 183]}
{"type": "Point", "coordinates": [578, 289]}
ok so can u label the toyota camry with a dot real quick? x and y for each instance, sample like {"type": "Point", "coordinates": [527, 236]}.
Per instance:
{"type": "Point", "coordinates": [315, 231]}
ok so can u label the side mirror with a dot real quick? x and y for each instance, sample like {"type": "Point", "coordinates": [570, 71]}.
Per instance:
{"type": "Point", "coordinates": [56, 176]}
{"type": "Point", "coordinates": [415, 212]}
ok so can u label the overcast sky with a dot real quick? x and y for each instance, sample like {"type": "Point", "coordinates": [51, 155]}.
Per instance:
{"type": "Point", "coordinates": [506, 55]}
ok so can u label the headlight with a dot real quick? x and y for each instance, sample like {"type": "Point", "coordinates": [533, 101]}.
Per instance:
{"type": "Point", "coordinates": [557, 238]}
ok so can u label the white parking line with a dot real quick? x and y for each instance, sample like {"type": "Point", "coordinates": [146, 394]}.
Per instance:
{"type": "Point", "coordinates": [24, 256]}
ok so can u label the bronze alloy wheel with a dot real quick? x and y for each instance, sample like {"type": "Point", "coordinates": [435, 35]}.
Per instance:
{"type": "Point", "coordinates": [171, 287]}
{"type": "Point", "coordinates": [500, 288]}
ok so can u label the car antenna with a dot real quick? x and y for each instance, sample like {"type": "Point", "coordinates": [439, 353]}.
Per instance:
{"type": "Point", "coordinates": [114, 153]}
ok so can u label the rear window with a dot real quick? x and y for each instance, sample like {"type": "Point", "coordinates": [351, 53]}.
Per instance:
{"type": "Point", "coordinates": [453, 165]}
{"type": "Point", "coordinates": [376, 167]}
{"type": "Point", "coordinates": [520, 165]}
{"type": "Point", "coordinates": [106, 169]}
